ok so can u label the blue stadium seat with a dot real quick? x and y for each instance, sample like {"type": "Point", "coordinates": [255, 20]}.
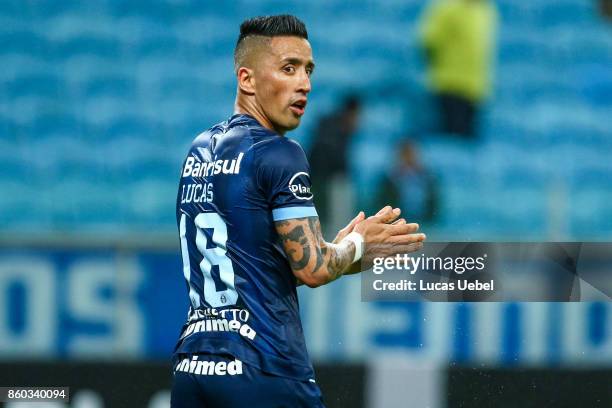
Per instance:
{"type": "Point", "coordinates": [19, 201]}
{"type": "Point", "coordinates": [158, 46]}
{"type": "Point", "coordinates": [82, 200]}
{"type": "Point", "coordinates": [564, 13]}
{"type": "Point", "coordinates": [22, 42]}
{"type": "Point", "coordinates": [151, 200]}
{"type": "Point", "coordinates": [57, 123]}
{"type": "Point", "coordinates": [136, 94]}
{"type": "Point", "coordinates": [107, 48]}
{"type": "Point", "coordinates": [591, 212]}
{"type": "Point", "coordinates": [39, 84]}
{"type": "Point", "coordinates": [117, 85]}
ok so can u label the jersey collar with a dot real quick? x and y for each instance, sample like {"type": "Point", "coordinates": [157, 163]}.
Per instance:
{"type": "Point", "coordinates": [243, 119]}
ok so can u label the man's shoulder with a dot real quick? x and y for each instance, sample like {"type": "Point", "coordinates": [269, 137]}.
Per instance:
{"type": "Point", "coordinates": [278, 149]}
{"type": "Point", "coordinates": [203, 138]}
{"type": "Point", "coordinates": [237, 126]}
{"type": "Point", "coordinates": [220, 134]}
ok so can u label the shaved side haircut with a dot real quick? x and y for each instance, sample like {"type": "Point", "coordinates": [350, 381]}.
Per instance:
{"type": "Point", "coordinates": [257, 31]}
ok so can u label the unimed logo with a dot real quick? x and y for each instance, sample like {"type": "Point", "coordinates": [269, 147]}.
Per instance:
{"type": "Point", "coordinates": [204, 367]}
{"type": "Point", "coordinates": [299, 186]}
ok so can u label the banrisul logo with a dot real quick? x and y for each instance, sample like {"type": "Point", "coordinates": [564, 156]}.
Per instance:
{"type": "Point", "coordinates": [299, 185]}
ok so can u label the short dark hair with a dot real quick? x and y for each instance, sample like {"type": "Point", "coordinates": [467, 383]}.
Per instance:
{"type": "Point", "coordinates": [267, 26]}
{"type": "Point", "coordinates": [273, 26]}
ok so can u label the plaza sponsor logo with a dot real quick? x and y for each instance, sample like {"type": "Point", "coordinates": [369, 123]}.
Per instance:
{"type": "Point", "coordinates": [195, 168]}
{"type": "Point", "coordinates": [204, 367]}
{"type": "Point", "coordinates": [299, 186]}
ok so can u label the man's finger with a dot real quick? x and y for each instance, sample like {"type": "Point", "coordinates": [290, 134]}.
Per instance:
{"type": "Point", "coordinates": [384, 210]}
{"type": "Point", "coordinates": [402, 229]}
{"type": "Point", "coordinates": [400, 221]}
{"type": "Point", "coordinates": [387, 217]}
{"type": "Point", "coordinates": [360, 217]}
{"type": "Point", "coordinates": [406, 238]}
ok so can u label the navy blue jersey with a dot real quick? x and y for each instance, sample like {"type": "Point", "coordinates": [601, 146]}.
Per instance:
{"type": "Point", "coordinates": [237, 180]}
{"type": "Point", "coordinates": [222, 381]}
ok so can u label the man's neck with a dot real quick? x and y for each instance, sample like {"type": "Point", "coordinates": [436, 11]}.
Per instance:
{"type": "Point", "coordinates": [249, 108]}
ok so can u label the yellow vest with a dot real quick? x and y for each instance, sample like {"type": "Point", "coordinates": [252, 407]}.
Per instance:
{"type": "Point", "coordinates": [460, 34]}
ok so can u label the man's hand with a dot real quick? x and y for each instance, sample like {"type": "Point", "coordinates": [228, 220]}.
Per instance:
{"type": "Point", "coordinates": [360, 217]}
{"type": "Point", "coordinates": [385, 235]}
{"type": "Point", "coordinates": [349, 228]}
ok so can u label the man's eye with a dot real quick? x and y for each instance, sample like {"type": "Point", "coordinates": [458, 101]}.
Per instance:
{"type": "Point", "coordinates": [289, 69]}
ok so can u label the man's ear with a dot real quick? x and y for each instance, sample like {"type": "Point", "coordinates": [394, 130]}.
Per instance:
{"type": "Point", "coordinates": [246, 80]}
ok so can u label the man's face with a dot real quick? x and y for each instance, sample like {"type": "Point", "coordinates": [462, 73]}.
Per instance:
{"type": "Point", "coordinates": [282, 81]}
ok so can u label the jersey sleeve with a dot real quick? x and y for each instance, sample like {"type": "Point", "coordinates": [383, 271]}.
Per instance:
{"type": "Point", "coordinates": [283, 175]}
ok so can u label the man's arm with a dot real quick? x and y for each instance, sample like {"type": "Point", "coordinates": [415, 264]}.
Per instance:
{"type": "Point", "coordinates": [357, 267]}
{"type": "Point", "coordinates": [313, 261]}
{"type": "Point", "coordinates": [316, 262]}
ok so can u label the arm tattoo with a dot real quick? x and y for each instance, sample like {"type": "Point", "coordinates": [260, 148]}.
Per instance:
{"type": "Point", "coordinates": [341, 259]}
{"type": "Point", "coordinates": [294, 240]}
{"type": "Point", "coordinates": [315, 228]}
{"type": "Point", "coordinates": [306, 248]}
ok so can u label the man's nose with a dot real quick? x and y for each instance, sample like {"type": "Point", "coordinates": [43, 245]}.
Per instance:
{"type": "Point", "coordinates": [304, 85]}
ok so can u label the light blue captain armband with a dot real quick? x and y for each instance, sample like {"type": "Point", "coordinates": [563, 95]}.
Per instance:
{"type": "Point", "coordinates": [287, 213]}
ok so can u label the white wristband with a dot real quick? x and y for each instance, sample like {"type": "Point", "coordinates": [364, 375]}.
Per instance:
{"type": "Point", "coordinates": [356, 239]}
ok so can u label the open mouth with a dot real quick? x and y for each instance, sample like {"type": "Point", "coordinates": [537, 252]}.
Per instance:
{"type": "Point", "coordinates": [298, 107]}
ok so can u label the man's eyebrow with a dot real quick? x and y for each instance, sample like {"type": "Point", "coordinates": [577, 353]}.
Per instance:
{"type": "Point", "coordinates": [297, 61]}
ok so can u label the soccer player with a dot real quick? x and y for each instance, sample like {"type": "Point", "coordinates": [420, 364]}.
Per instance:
{"type": "Point", "coordinates": [249, 234]}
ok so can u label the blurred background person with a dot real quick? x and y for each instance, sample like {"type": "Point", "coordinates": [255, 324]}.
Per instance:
{"type": "Point", "coordinates": [411, 186]}
{"type": "Point", "coordinates": [328, 160]}
{"type": "Point", "coordinates": [605, 9]}
{"type": "Point", "coordinates": [458, 38]}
